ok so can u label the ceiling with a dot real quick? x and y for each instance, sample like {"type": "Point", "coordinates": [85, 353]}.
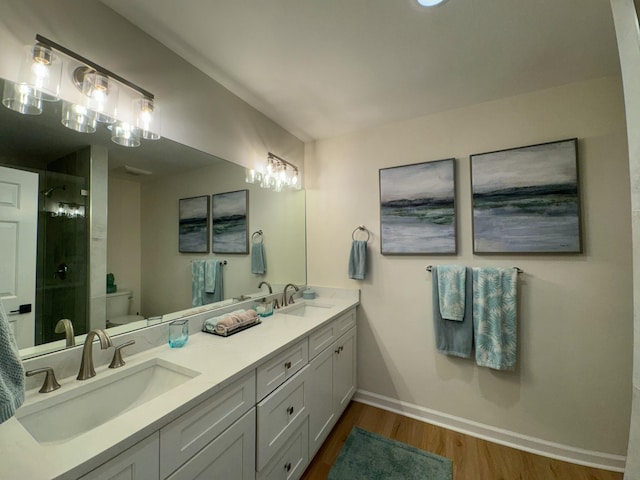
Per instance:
{"type": "Point", "coordinates": [322, 68]}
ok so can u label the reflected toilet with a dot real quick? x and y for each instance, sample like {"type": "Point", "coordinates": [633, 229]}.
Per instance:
{"type": "Point", "coordinates": [118, 308]}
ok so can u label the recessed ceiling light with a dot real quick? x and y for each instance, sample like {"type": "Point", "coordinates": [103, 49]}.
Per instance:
{"type": "Point", "coordinates": [430, 3]}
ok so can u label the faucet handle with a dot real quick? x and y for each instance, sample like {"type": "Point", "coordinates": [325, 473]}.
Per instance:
{"type": "Point", "coordinates": [50, 383]}
{"type": "Point", "coordinates": [117, 360]}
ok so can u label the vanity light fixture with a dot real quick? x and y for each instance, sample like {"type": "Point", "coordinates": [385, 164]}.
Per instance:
{"type": "Point", "coordinates": [278, 174]}
{"type": "Point", "coordinates": [40, 80]}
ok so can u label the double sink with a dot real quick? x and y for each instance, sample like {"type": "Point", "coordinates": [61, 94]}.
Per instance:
{"type": "Point", "coordinates": [84, 406]}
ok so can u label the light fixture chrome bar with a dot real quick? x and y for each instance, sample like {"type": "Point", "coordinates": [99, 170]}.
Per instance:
{"type": "Point", "coordinates": [95, 66]}
{"type": "Point", "coordinates": [271, 155]}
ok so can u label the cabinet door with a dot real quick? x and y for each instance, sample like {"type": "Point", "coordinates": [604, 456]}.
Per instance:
{"type": "Point", "coordinates": [321, 398]}
{"type": "Point", "coordinates": [344, 370]}
{"type": "Point", "coordinates": [189, 433]}
{"type": "Point", "coordinates": [231, 456]}
{"type": "Point", "coordinates": [139, 462]}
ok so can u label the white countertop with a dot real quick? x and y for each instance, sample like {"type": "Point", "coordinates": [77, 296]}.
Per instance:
{"type": "Point", "coordinates": [220, 361]}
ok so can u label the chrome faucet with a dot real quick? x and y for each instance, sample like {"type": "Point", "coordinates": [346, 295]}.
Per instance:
{"type": "Point", "coordinates": [86, 365]}
{"type": "Point", "coordinates": [284, 294]}
{"type": "Point", "coordinates": [65, 325]}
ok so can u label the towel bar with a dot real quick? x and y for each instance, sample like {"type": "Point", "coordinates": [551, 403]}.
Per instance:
{"type": "Point", "coordinates": [518, 269]}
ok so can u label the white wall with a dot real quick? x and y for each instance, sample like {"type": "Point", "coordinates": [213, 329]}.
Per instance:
{"type": "Point", "coordinates": [123, 240]}
{"type": "Point", "coordinates": [573, 381]}
{"type": "Point", "coordinates": [626, 23]}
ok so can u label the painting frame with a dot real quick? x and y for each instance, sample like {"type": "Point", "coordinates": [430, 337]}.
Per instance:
{"type": "Point", "coordinates": [526, 200]}
{"type": "Point", "coordinates": [194, 215]}
{"type": "Point", "coordinates": [230, 222]}
{"type": "Point", "coordinates": [418, 208]}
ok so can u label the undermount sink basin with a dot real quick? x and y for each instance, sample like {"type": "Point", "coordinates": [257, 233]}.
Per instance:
{"type": "Point", "coordinates": [87, 406]}
{"type": "Point", "coordinates": [305, 309]}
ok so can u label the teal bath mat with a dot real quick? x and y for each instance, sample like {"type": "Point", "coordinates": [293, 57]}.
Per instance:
{"type": "Point", "coordinates": [367, 456]}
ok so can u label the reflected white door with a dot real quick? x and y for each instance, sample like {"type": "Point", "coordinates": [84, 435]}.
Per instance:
{"type": "Point", "coordinates": [18, 248]}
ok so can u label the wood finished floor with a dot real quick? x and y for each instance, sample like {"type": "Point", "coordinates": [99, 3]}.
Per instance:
{"type": "Point", "coordinates": [473, 459]}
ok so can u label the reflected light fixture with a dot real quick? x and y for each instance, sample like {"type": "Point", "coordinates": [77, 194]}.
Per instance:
{"type": "Point", "coordinates": [40, 78]}
{"type": "Point", "coordinates": [278, 174]}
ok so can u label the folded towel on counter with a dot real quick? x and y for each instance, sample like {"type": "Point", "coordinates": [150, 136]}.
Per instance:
{"type": "Point", "coordinates": [358, 260]}
{"type": "Point", "coordinates": [453, 337]}
{"type": "Point", "coordinates": [209, 324]}
{"type": "Point", "coordinates": [11, 370]}
{"type": "Point", "coordinates": [451, 287]}
{"type": "Point", "coordinates": [495, 317]}
{"type": "Point", "coordinates": [225, 324]}
{"type": "Point", "coordinates": [258, 265]}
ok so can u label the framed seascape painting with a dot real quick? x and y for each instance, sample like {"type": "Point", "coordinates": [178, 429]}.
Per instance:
{"type": "Point", "coordinates": [527, 199]}
{"type": "Point", "coordinates": [230, 222]}
{"type": "Point", "coordinates": [193, 229]}
{"type": "Point", "coordinates": [417, 209]}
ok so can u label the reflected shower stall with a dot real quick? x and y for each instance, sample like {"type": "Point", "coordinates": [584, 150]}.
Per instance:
{"type": "Point", "coordinates": [62, 271]}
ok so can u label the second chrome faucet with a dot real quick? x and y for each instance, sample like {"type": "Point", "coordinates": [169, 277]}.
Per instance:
{"type": "Point", "coordinates": [86, 364]}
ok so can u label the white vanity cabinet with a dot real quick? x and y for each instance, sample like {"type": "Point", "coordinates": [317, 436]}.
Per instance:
{"type": "Point", "coordinates": [139, 462]}
{"type": "Point", "coordinates": [331, 384]}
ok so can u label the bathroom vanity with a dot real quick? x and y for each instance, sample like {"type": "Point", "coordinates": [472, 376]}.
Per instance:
{"type": "Point", "coordinates": [255, 405]}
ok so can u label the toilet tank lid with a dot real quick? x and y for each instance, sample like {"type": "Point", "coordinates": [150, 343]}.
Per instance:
{"type": "Point", "coordinates": [119, 292]}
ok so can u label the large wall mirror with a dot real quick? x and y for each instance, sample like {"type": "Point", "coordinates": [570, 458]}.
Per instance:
{"type": "Point", "coordinates": [105, 218]}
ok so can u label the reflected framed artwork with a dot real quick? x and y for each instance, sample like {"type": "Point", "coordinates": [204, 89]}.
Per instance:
{"type": "Point", "coordinates": [193, 229]}
{"type": "Point", "coordinates": [527, 199]}
{"type": "Point", "coordinates": [417, 209]}
{"type": "Point", "coordinates": [230, 214]}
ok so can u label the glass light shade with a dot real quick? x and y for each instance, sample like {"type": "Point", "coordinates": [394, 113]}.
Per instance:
{"type": "Point", "coordinates": [41, 69]}
{"type": "Point", "coordinates": [147, 118]}
{"type": "Point", "coordinates": [252, 176]}
{"type": "Point", "coordinates": [78, 118]}
{"type": "Point", "coordinates": [124, 134]}
{"type": "Point", "coordinates": [102, 95]}
{"type": "Point", "coordinates": [21, 98]}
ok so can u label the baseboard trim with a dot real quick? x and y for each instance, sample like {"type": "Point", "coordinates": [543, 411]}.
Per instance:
{"type": "Point", "coordinates": [588, 458]}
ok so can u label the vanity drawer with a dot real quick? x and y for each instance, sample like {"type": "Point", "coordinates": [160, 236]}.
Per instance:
{"type": "Point", "coordinates": [280, 414]}
{"type": "Point", "coordinates": [321, 339]}
{"type": "Point", "coordinates": [275, 371]}
{"type": "Point", "coordinates": [188, 434]}
{"type": "Point", "coordinates": [292, 459]}
{"type": "Point", "coordinates": [344, 322]}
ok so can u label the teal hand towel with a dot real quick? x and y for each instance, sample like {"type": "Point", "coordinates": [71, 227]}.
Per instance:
{"type": "Point", "coordinates": [453, 338]}
{"type": "Point", "coordinates": [258, 265]}
{"type": "Point", "coordinates": [358, 260]}
{"type": "Point", "coordinates": [11, 370]}
{"type": "Point", "coordinates": [495, 317]}
{"type": "Point", "coordinates": [451, 285]}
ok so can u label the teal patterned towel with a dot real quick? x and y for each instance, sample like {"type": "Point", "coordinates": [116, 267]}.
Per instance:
{"type": "Point", "coordinates": [11, 370]}
{"type": "Point", "coordinates": [199, 294]}
{"type": "Point", "coordinates": [495, 317]}
{"type": "Point", "coordinates": [451, 286]}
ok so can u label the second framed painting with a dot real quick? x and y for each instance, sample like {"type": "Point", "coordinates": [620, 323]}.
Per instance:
{"type": "Point", "coordinates": [230, 215]}
{"type": "Point", "coordinates": [526, 199]}
{"type": "Point", "coordinates": [417, 209]}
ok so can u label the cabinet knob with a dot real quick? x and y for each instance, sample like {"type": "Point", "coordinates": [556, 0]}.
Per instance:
{"type": "Point", "coordinates": [337, 350]}
{"type": "Point", "coordinates": [290, 410]}
{"type": "Point", "coordinates": [287, 365]}
{"type": "Point", "coordinates": [287, 466]}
